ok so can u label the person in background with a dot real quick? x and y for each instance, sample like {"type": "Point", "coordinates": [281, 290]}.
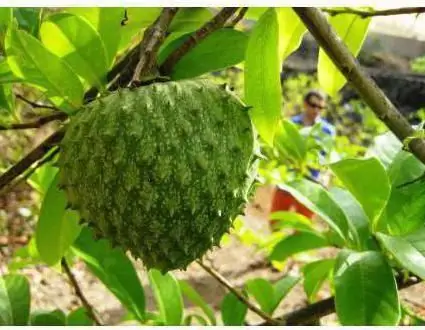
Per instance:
{"type": "Point", "coordinates": [313, 105]}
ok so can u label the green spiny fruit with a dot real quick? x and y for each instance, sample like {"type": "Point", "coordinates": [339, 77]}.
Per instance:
{"type": "Point", "coordinates": [161, 170]}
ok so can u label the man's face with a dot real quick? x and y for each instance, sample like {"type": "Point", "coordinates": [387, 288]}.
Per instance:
{"type": "Point", "coordinates": [314, 106]}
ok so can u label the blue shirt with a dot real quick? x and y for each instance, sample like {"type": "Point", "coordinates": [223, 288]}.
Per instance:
{"type": "Point", "coordinates": [327, 128]}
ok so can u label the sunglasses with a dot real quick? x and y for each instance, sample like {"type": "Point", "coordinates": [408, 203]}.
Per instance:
{"type": "Point", "coordinates": [314, 105]}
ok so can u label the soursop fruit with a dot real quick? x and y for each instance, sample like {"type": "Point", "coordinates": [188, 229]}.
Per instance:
{"type": "Point", "coordinates": [161, 170]}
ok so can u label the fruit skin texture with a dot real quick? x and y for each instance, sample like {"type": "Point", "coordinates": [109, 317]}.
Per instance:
{"type": "Point", "coordinates": [161, 170]}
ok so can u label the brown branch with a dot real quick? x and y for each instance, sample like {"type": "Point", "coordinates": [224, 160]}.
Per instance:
{"type": "Point", "coordinates": [238, 17]}
{"type": "Point", "coordinates": [216, 23]}
{"type": "Point", "coordinates": [39, 122]}
{"type": "Point", "coordinates": [385, 12]}
{"type": "Point", "coordinates": [152, 39]}
{"type": "Point", "coordinates": [239, 295]}
{"type": "Point", "coordinates": [89, 309]}
{"type": "Point", "coordinates": [311, 313]}
{"type": "Point", "coordinates": [35, 104]}
{"type": "Point", "coordinates": [328, 40]}
{"type": "Point", "coordinates": [35, 155]}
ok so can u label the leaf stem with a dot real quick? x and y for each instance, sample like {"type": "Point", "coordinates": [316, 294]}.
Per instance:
{"type": "Point", "coordinates": [372, 13]}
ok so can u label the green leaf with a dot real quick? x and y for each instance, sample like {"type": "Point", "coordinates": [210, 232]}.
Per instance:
{"type": "Point", "coordinates": [289, 142]}
{"type": "Point", "coordinates": [168, 297]}
{"type": "Point", "coordinates": [356, 217]}
{"type": "Point", "coordinates": [171, 43]}
{"type": "Point", "coordinates": [367, 180]}
{"type": "Point", "coordinates": [6, 15]}
{"type": "Point", "coordinates": [75, 41]}
{"type": "Point", "coordinates": [27, 59]}
{"type": "Point", "coordinates": [57, 227]}
{"type": "Point", "coordinates": [56, 317]}
{"type": "Point", "coordinates": [365, 290]}
{"type": "Point", "coordinates": [385, 147]}
{"type": "Point", "coordinates": [107, 22]}
{"type": "Point", "coordinates": [291, 31]}
{"type": "Point", "coordinates": [405, 210]}
{"type": "Point", "coordinates": [262, 75]}
{"type": "Point", "coordinates": [15, 300]}
{"type": "Point", "coordinates": [196, 299]}
{"type": "Point", "coordinates": [114, 269]}
{"type": "Point", "coordinates": [263, 293]}
{"type": "Point", "coordinates": [255, 13]}
{"type": "Point", "coordinates": [352, 29]}
{"type": "Point", "coordinates": [319, 200]}
{"type": "Point", "coordinates": [190, 19]}
{"type": "Point", "coordinates": [7, 101]}
{"type": "Point", "coordinates": [233, 311]}
{"type": "Point", "coordinates": [296, 243]}
{"type": "Point", "coordinates": [315, 274]}
{"type": "Point", "coordinates": [405, 167]}
{"type": "Point", "coordinates": [409, 250]}
{"type": "Point", "coordinates": [188, 319]}
{"type": "Point", "coordinates": [282, 288]}
{"type": "Point", "coordinates": [43, 176]}
{"type": "Point", "coordinates": [221, 49]}
{"type": "Point", "coordinates": [28, 19]}
{"type": "Point", "coordinates": [292, 220]}
{"type": "Point", "coordinates": [79, 317]}
{"type": "Point", "coordinates": [6, 74]}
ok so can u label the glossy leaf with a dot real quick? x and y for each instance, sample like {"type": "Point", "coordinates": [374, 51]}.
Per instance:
{"type": "Point", "coordinates": [291, 31]}
{"type": "Point", "coordinates": [262, 75]}
{"type": "Point", "coordinates": [27, 58]}
{"type": "Point", "coordinates": [405, 210]}
{"type": "Point", "coordinates": [57, 227]}
{"type": "Point", "coordinates": [315, 274]}
{"type": "Point", "coordinates": [367, 180]}
{"type": "Point", "coordinates": [357, 219]}
{"type": "Point", "coordinates": [292, 220]}
{"type": "Point", "coordinates": [405, 167]}
{"type": "Point", "coordinates": [107, 22]}
{"type": "Point", "coordinates": [221, 49]}
{"type": "Point", "coordinates": [190, 19]}
{"type": "Point", "coordinates": [6, 74]}
{"type": "Point", "coordinates": [28, 19]}
{"type": "Point", "coordinates": [385, 147]}
{"type": "Point", "coordinates": [197, 299]}
{"type": "Point", "coordinates": [282, 287]}
{"type": "Point", "coordinates": [6, 15]}
{"type": "Point", "coordinates": [78, 317]}
{"type": "Point", "coordinates": [409, 250]}
{"type": "Point", "coordinates": [56, 317]}
{"type": "Point", "coordinates": [233, 311]}
{"type": "Point", "coordinates": [15, 300]}
{"type": "Point", "coordinates": [167, 296]}
{"type": "Point", "coordinates": [255, 13]}
{"type": "Point", "coordinates": [7, 101]}
{"type": "Point", "coordinates": [319, 200]}
{"type": "Point", "coordinates": [352, 29]}
{"type": "Point", "coordinates": [366, 281]}
{"type": "Point", "coordinates": [114, 269]}
{"type": "Point", "coordinates": [188, 320]}
{"type": "Point", "coordinates": [75, 41]}
{"type": "Point", "coordinates": [42, 178]}
{"type": "Point", "coordinates": [263, 292]}
{"type": "Point", "coordinates": [289, 142]}
{"type": "Point", "coordinates": [296, 243]}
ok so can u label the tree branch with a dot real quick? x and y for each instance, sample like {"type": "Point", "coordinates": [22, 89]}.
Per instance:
{"type": "Point", "coordinates": [41, 121]}
{"type": "Point", "coordinates": [152, 40]}
{"type": "Point", "coordinates": [36, 154]}
{"type": "Point", "coordinates": [238, 17]}
{"type": "Point", "coordinates": [240, 296]}
{"type": "Point", "coordinates": [313, 312]}
{"type": "Point", "coordinates": [385, 12]}
{"type": "Point", "coordinates": [35, 104]}
{"type": "Point", "coordinates": [325, 35]}
{"type": "Point", "coordinates": [216, 23]}
{"type": "Point", "coordinates": [89, 309]}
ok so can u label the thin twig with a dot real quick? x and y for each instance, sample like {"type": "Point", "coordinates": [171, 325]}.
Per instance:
{"type": "Point", "coordinates": [39, 122]}
{"type": "Point", "coordinates": [35, 104]}
{"type": "Point", "coordinates": [152, 39]}
{"type": "Point", "coordinates": [385, 12]}
{"type": "Point", "coordinates": [89, 309]}
{"type": "Point", "coordinates": [216, 23]}
{"type": "Point", "coordinates": [328, 40]}
{"type": "Point", "coordinates": [35, 155]}
{"type": "Point", "coordinates": [239, 295]}
{"type": "Point", "coordinates": [313, 312]}
{"type": "Point", "coordinates": [238, 17]}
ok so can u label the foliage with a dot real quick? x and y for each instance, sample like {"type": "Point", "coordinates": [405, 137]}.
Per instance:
{"type": "Point", "coordinates": [372, 223]}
